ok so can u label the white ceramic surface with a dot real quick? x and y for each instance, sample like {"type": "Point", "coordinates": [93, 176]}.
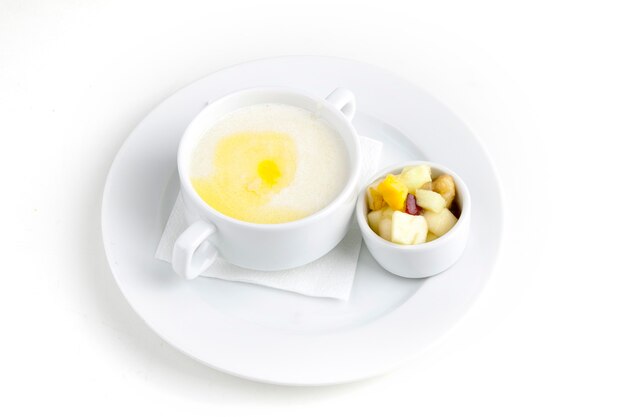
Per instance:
{"type": "Point", "coordinates": [274, 336]}
{"type": "Point", "coordinates": [426, 259]}
{"type": "Point", "coordinates": [245, 244]}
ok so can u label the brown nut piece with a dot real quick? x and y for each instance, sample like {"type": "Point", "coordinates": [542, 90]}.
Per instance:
{"type": "Point", "coordinates": [428, 186]}
{"type": "Point", "coordinates": [444, 185]}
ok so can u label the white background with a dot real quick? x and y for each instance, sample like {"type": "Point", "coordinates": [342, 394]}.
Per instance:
{"type": "Point", "coordinates": [543, 83]}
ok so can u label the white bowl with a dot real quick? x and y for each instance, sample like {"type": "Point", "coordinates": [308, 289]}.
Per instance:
{"type": "Point", "coordinates": [424, 259]}
{"type": "Point", "coordinates": [264, 247]}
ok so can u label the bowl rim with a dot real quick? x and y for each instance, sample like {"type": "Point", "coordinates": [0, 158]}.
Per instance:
{"type": "Point", "coordinates": [362, 209]}
{"type": "Point", "coordinates": [348, 190]}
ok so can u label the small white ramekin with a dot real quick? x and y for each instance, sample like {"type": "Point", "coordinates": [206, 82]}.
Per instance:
{"type": "Point", "coordinates": [424, 259]}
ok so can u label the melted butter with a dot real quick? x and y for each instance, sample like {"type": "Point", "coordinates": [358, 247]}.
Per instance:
{"type": "Point", "coordinates": [269, 172]}
{"type": "Point", "coordinates": [248, 169]}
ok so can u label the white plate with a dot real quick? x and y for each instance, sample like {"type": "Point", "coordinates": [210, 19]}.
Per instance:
{"type": "Point", "coordinates": [275, 336]}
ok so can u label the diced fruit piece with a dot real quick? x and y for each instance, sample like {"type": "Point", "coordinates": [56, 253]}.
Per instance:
{"type": "Point", "coordinates": [422, 230]}
{"type": "Point", "coordinates": [394, 192]}
{"type": "Point", "coordinates": [440, 223]}
{"type": "Point", "coordinates": [374, 218]}
{"type": "Point", "coordinates": [411, 206]}
{"type": "Point", "coordinates": [388, 212]}
{"type": "Point", "coordinates": [403, 230]}
{"type": "Point", "coordinates": [415, 177]}
{"type": "Point", "coordinates": [428, 186]}
{"type": "Point", "coordinates": [430, 200]}
{"type": "Point", "coordinates": [374, 198]}
{"type": "Point", "coordinates": [444, 185]}
{"type": "Point", "coordinates": [384, 229]}
{"type": "Point", "coordinates": [430, 237]}
{"type": "Point", "coordinates": [407, 229]}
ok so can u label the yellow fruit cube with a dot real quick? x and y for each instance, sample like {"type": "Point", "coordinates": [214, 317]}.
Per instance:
{"type": "Point", "coordinates": [394, 192]}
{"type": "Point", "coordinates": [374, 199]}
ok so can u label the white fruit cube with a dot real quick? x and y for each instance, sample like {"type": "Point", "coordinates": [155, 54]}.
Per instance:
{"type": "Point", "coordinates": [384, 229]}
{"type": "Point", "coordinates": [407, 229]}
{"type": "Point", "coordinates": [415, 177]}
{"type": "Point", "coordinates": [374, 218]}
{"type": "Point", "coordinates": [430, 200]}
{"type": "Point", "coordinates": [440, 223]}
{"type": "Point", "coordinates": [422, 230]}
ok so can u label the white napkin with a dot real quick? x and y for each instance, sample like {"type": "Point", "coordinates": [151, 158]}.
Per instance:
{"type": "Point", "coordinates": [330, 276]}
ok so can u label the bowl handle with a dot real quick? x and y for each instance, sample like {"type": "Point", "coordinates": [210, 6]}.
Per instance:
{"type": "Point", "coordinates": [193, 253]}
{"type": "Point", "coordinates": [343, 99]}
